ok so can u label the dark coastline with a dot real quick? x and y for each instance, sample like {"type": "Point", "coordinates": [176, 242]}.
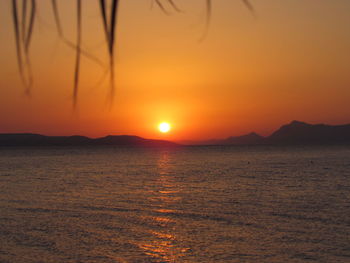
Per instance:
{"type": "Point", "coordinates": [293, 134]}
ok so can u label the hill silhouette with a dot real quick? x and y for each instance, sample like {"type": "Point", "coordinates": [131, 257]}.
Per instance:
{"type": "Point", "coordinates": [304, 133]}
{"type": "Point", "coordinates": [296, 132]}
{"type": "Point", "coordinates": [28, 139]}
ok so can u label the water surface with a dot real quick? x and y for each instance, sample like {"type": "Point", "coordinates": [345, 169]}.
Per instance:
{"type": "Point", "coordinates": [194, 204]}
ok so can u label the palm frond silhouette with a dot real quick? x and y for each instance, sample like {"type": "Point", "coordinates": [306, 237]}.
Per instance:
{"type": "Point", "coordinates": [24, 16]}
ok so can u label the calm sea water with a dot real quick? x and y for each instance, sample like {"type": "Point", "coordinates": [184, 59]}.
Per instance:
{"type": "Point", "coordinates": [199, 204]}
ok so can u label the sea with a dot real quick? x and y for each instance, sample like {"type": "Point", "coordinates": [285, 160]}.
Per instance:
{"type": "Point", "coordinates": [183, 204]}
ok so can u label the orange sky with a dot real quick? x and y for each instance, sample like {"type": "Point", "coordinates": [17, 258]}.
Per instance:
{"type": "Point", "coordinates": [291, 62]}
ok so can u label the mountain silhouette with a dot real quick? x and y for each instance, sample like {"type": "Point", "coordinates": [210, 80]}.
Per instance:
{"type": "Point", "coordinates": [28, 139]}
{"type": "Point", "coordinates": [294, 133]}
{"type": "Point", "coordinates": [304, 133]}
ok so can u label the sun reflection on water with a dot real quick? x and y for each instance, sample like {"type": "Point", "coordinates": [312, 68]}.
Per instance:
{"type": "Point", "coordinates": [164, 244]}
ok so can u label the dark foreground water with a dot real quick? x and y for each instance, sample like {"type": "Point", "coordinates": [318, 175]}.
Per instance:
{"type": "Point", "coordinates": [238, 204]}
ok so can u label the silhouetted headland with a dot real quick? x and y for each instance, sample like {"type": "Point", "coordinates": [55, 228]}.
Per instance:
{"type": "Point", "coordinates": [28, 139]}
{"type": "Point", "coordinates": [298, 132]}
{"type": "Point", "coordinates": [294, 133]}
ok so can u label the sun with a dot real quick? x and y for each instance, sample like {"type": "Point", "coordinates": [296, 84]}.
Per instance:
{"type": "Point", "coordinates": [164, 127]}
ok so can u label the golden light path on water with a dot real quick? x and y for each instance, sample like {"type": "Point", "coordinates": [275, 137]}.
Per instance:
{"type": "Point", "coordinates": [165, 245]}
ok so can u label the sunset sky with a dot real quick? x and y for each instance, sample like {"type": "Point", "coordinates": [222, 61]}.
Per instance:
{"type": "Point", "coordinates": [291, 61]}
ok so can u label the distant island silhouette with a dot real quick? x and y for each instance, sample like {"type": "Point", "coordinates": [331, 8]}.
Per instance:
{"type": "Point", "coordinates": [294, 133]}
{"type": "Point", "coordinates": [29, 139]}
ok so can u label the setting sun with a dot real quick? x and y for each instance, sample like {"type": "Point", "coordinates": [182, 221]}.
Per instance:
{"type": "Point", "coordinates": [164, 127]}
